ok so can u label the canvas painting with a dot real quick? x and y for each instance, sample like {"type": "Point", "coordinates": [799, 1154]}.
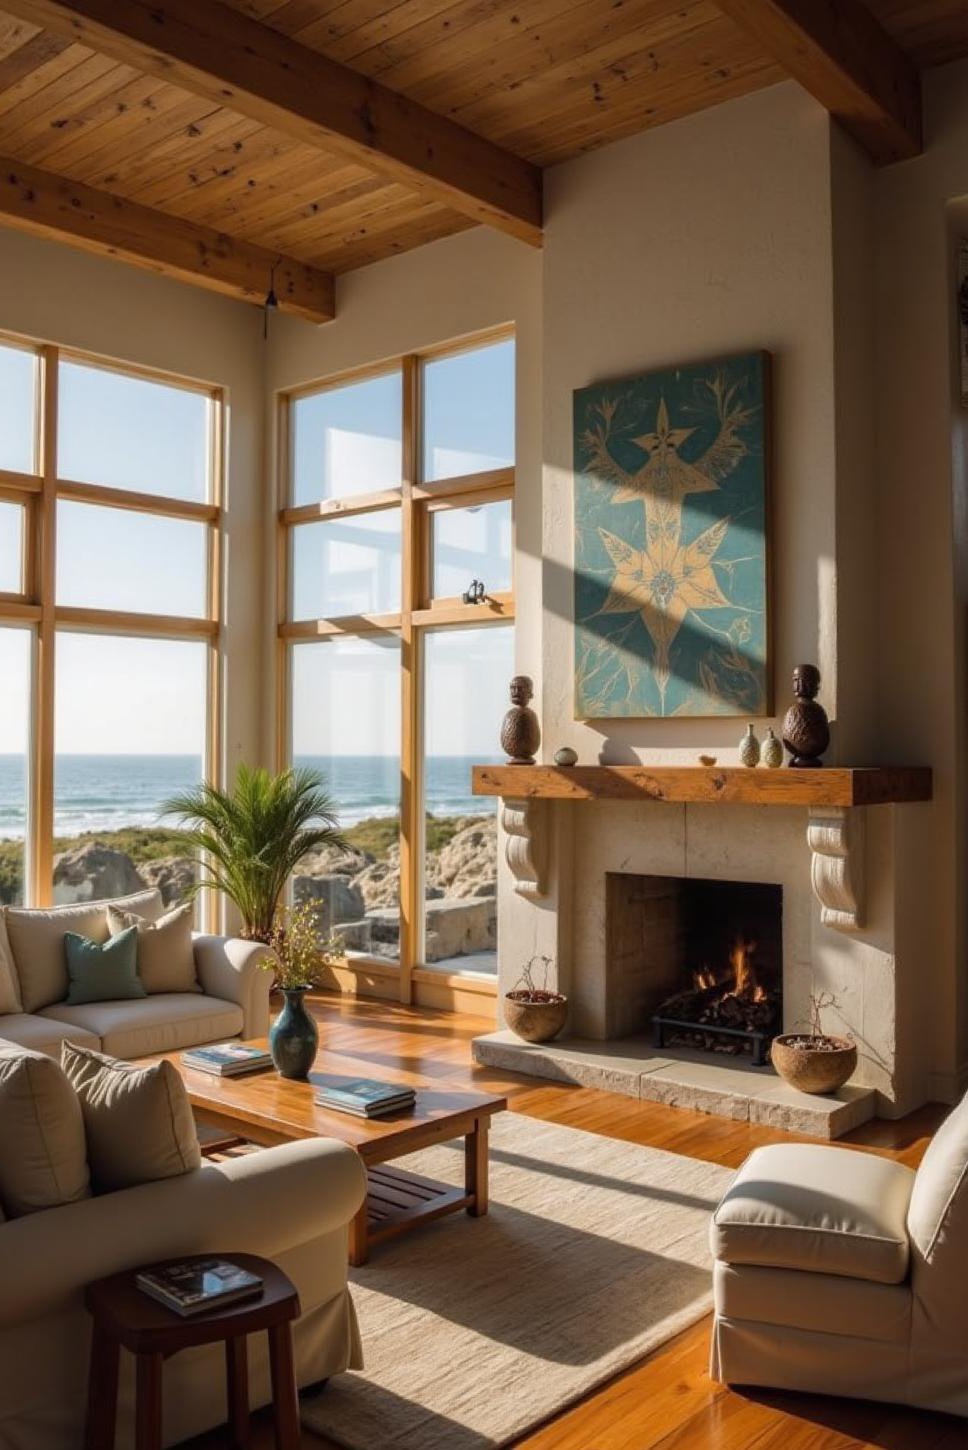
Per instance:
{"type": "Point", "coordinates": [671, 543]}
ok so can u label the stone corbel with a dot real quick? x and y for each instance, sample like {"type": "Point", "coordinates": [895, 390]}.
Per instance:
{"type": "Point", "coordinates": [836, 837]}
{"type": "Point", "coordinates": [526, 844]}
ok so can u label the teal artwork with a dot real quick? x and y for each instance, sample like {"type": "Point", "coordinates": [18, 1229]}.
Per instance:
{"type": "Point", "coordinates": [671, 547]}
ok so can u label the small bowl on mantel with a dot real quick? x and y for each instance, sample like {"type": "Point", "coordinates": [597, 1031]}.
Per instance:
{"type": "Point", "coordinates": [814, 1064]}
{"type": "Point", "coordinates": [535, 1016]}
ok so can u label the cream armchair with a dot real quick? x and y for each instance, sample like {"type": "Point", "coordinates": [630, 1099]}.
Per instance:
{"type": "Point", "coordinates": [844, 1273]}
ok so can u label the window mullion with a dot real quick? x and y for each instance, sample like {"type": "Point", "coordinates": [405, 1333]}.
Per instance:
{"type": "Point", "coordinates": [410, 736]}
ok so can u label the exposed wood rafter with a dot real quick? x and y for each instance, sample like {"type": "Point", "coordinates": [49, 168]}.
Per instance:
{"type": "Point", "coordinates": [220, 54]}
{"type": "Point", "coordinates": [47, 205]}
{"type": "Point", "coordinates": [840, 54]}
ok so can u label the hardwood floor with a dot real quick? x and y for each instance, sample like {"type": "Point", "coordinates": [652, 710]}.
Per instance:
{"type": "Point", "coordinates": [668, 1401]}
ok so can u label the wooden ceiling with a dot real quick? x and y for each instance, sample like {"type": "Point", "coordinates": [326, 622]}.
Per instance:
{"type": "Point", "coordinates": [109, 138]}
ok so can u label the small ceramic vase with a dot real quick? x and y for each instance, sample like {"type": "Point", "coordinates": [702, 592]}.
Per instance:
{"type": "Point", "coordinates": [749, 748]}
{"type": "Point", "coordinates": [772, 751]}
{"type": "Point", "coordinates": [564, 755]}
{"type": "Point", "coordinates": [520, 731]}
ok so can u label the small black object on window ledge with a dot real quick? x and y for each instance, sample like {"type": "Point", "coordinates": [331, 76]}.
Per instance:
{"type": "Point", "coordinates": [475, 593]}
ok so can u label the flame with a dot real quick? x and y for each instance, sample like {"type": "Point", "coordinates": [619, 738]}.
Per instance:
{"type": "Point", "coordinates": [743, 981]}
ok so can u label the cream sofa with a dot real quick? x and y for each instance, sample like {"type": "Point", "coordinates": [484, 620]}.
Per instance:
{"type": "Point", "coordinates": [841, 1272]}
{"type": "Point", "coordinates": [291, 1204]}
{"type": "Point", "coordinates": [233, 1000]}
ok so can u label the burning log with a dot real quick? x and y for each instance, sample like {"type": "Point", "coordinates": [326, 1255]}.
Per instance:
{"type": "Point", "coordinates": [737, 1002]}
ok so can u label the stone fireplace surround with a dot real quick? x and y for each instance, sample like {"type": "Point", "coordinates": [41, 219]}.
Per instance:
{"type": "Point", "coordinates": [836, 867]}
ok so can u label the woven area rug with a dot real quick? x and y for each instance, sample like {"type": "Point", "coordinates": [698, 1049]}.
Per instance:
{"type": "Point", "coordinates": [475, 1330]}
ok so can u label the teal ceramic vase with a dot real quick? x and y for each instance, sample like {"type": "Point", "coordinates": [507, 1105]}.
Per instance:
{"type": "Point", "coordinates": [294, 1037]}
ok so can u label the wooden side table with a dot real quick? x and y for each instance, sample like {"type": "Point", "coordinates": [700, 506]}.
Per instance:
{"type": "Point", "coordinates": [123, 1315]}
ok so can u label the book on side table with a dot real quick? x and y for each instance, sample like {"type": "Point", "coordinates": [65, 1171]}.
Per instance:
{"type": "Point", "coordinates": [199, 1285]}
{"type": "Point", "coordinates": [365, 1097]}
{"type": "Point", "coordinates": [227, 1059]}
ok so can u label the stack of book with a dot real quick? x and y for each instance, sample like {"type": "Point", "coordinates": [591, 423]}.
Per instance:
{"type": "Point", "coordinates": [199, 1285]}
{"type": "Point", "coordinates": [227, 1059]}
{"type": "Point", "coordinates": [364, 1097]}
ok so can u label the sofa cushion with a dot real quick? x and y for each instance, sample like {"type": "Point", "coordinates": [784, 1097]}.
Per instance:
{"type": "Point", "coordinates": [821, 1209]}
{"type": "Point", "coordinates": [10, 999]}
{"type": "Point", "coordinates": [42, 1034]}
{"type": "Point", "coordinates": [43, 1155]}
{"type": "Point", "coordinates": [37, 941]}
{"type": "Point", "coordinates": [166, 952]}
{"type": "Point", "coordinates": [102, 971]}
{"type": "Point", "coordinates": [153, 1024]}
{"type": "Point", "coordinates": [138, 1120]}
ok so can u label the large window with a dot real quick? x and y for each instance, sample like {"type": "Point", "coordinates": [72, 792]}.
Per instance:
{"type": "Point", "coordinates": [110, 521]}
{"type": "Point", "coordinates": [397, 495]}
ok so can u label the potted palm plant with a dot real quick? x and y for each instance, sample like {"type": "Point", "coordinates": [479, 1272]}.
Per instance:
{"type": "Point", "coordinates": [252, 837]}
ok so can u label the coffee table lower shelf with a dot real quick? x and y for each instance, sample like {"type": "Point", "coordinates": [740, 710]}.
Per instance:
{"type": "Point", "coordinates": [397, 1201]}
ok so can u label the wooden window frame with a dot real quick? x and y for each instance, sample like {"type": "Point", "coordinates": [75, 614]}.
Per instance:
{"type": "Point", "coordinates": [419, 612]}
{"type": "Point", "coordinates": [37, 605]}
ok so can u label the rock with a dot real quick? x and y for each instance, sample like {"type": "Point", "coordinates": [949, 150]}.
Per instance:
{"type": "Point", "coordinates": [342, 900]}
{"type": "Point", "coordinates": [468, 861]}
{"type": "Point", "coordinates": [93, 872]}
{"type": "Point", "coordinates": [332, 861]}
{"type": "Point", "coordinates": [456, 928]}
{"type": "Point", "coordinates": [173, 876]}
{"type": "Point", "coordinates": [355, 936]}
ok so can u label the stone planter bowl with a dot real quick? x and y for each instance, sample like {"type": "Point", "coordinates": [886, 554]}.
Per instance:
{"type": "Point", "coordinates": [535, 1021]}
{"type": "Point", "coordinates": [813, 1070]}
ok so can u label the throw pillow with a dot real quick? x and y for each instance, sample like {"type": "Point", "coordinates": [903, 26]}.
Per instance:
{"type": "Point", "coordinates": [10, 999]}
{"type": "Point", "coordinates": [166, 955]}
{"type": "Point", "coordinates": [102, 972]}
{"type": "Point", "coordinates": [138, 1120]}
{"type": "Point", "coordinates": [43, 1154]}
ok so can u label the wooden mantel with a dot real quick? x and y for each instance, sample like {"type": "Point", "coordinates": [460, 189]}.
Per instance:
{"type": "Point", "coordinates": [838, 786]}
{"type": "Point", "coordinates": [835, 828]}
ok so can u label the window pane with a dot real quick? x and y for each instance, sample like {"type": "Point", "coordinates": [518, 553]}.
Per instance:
{"type": "Point", "coordinates": [468, 412]}
{"type": "Point", "coordinates": [129, 733]}
{"type": "Point", "coordinates": [11, 548]}
{"type": "Point", "coordinates": [129, 432]}
{"type": "Point", "coordinates": [348, 440]}
{"type": "Point", "coordinates": [18, 403]}
{"type": "Point", "coordinates": [471, 543]}
{"type": "Point", "coordinates": [347, 566]}
{"type": "Point", "coordinates": [346, 722]}
{"type": "Point", "coordinates": [14, 717]}
{"type": "Point", "coordinates": [466, 674]}
{"type": "Point", "coordinates": [116, 559]}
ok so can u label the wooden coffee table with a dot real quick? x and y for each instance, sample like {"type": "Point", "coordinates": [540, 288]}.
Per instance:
{"type": "Point", "coordinates": [268, 1109]}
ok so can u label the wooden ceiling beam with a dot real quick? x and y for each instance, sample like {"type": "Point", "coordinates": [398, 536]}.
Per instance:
{"type": "Point", "coordinates": [52, 206]}
{"type": "Point", "coordinates": [838, 52]}
{"type": "Point", "coordinates": [221, 54]}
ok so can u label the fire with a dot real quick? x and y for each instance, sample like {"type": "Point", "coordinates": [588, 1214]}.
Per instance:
{"type": "Point", "coordinates": [742, 983]}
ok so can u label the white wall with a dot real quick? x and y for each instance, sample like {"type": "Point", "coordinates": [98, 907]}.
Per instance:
{"type": "Point", "coordinates": [706, 237]}
{"type": "Point", "coordinates": [921, 480]}
{"type": "Point", "coordinates": [55, 294]}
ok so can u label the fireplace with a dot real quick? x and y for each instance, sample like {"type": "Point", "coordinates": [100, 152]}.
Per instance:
{"type": "Point", "coordinates": [700, 962]}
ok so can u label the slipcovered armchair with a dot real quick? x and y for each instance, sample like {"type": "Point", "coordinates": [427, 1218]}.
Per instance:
{"type": "Point", "coordinates": [843, 1273]}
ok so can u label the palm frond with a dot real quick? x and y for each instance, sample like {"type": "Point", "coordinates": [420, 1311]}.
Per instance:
{"type": "Point", "coordinates": [252, 837]}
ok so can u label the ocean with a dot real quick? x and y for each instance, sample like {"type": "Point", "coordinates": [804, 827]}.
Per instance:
{"type": "Point", "coordinates": [108, 792]}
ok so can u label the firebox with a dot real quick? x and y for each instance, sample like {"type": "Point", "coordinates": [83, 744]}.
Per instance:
{"type": "Point", "coordinates": [700, 961]}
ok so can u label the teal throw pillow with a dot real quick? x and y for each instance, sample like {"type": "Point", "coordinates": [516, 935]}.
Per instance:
{"type": "Point", "coordinates": [107, 973]}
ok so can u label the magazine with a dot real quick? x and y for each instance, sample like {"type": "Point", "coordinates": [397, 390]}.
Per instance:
{"type": "Point", "coordinates": [196, 1286]}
